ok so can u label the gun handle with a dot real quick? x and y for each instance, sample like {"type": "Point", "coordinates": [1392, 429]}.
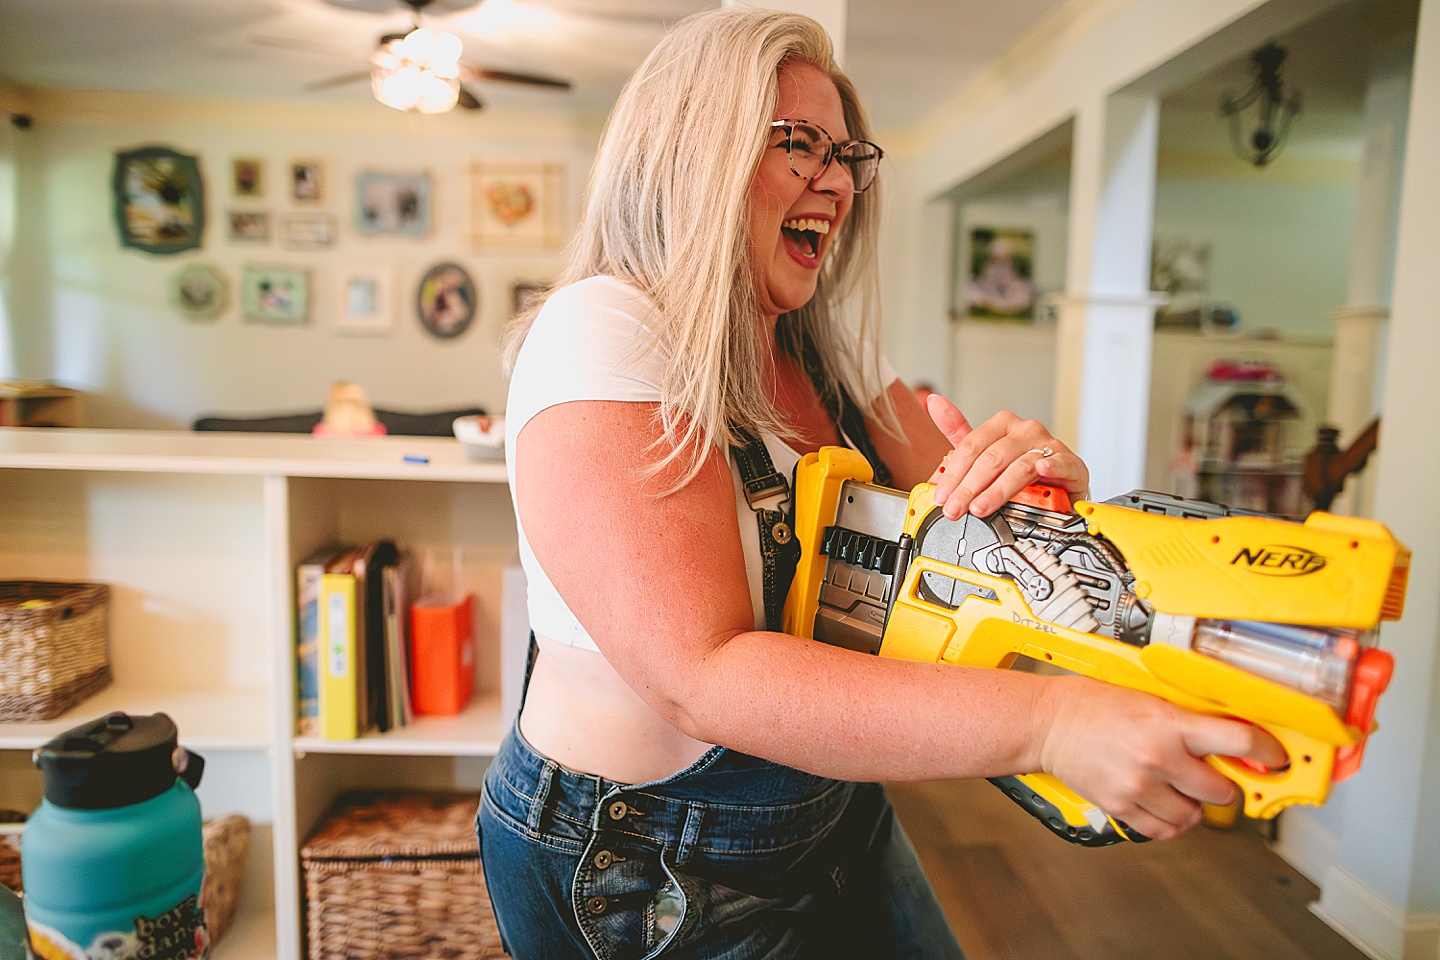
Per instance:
{"type": "Point", "coordinates": [1064, 812]}
{"type": "Point", "coordinates": [1306, 780]}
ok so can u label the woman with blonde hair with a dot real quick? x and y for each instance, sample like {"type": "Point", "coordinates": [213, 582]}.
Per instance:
{"type": "Point", "coordinates": [684, 780]}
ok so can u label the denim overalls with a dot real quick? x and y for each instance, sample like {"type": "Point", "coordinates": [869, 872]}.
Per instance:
{"type": "Point", "coordinates": [732, 857]}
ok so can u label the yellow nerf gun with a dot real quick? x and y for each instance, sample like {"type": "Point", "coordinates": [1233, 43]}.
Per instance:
{"type": "Point", "coordinates": [1221, 611]}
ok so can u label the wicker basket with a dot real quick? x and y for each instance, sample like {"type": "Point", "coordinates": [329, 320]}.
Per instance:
{"type": "Point", "coordinates": [227, 845]}
{"type": "Point", "coordinates": [52, 647]}
{"type": "Point", "coordinates": [397, 875]}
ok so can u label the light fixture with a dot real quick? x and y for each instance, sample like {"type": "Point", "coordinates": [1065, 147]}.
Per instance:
{"type": "Point", "coordinates": [1276, 109]}
{"type": "Point", "coordinates": [419, 70]}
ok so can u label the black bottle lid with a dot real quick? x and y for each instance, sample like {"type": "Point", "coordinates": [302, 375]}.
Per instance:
{"type": "Point", "coordinates": [115, 761]}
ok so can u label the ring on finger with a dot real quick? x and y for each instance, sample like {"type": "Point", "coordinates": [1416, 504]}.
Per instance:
{"type": "Point", "coordinates": [1043, 451]}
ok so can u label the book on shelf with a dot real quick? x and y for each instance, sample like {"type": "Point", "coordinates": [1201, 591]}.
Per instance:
{"type": "Point", "coordinates": [359, 618]}
{"type": "Point", "coordinates": [340, 655]}
{"type": "Point", "coordinates": [307, 637]}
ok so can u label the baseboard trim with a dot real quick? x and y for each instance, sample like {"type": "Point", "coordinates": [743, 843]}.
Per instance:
{"type": "Point", "coordinates": [1376, 927]}
{"type": "Point", "coordinates": [1307, 845]}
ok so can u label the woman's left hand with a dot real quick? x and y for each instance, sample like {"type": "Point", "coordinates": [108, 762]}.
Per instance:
{"type": "Point", "coordinates": [996, 460]}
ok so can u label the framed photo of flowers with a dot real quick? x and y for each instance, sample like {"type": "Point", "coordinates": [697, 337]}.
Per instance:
{"type": "Point", "coordinates": [516, 206]}
{"type": "Point", "coordinates": [159, 200]}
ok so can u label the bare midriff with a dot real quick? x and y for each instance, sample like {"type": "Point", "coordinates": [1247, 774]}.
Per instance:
{"type": "Point", "coordinates": [581, 714]}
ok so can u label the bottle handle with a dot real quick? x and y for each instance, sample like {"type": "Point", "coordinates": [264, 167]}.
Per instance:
{"type": "Point", "coordinates": [189, 766]}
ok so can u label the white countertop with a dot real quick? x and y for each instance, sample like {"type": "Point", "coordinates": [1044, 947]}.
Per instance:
{"type": "Point", "coordinates": [258, 454]}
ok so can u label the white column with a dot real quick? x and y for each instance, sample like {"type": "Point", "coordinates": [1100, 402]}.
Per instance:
{"type": "Point", "coordinates": [1357, 377]}
{"type": "Point", "coordinates": [830, 13]}
{"type": "Point", "coordinates": [1106, 317]}
{"type": "Point", "coordinates": [1385, 891]}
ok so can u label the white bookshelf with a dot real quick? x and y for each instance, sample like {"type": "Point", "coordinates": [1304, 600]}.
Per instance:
{"type": "Point", "coordinates": [198, 536]}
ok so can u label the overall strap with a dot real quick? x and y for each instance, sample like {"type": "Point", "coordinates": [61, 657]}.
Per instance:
{"type": "Point", "coordinates": [768, 494]}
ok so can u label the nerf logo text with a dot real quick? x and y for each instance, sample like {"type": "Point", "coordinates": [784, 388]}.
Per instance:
{"type": "Point", "coordinates": [1279, 560]}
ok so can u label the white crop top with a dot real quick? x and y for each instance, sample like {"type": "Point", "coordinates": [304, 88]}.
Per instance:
{"type": "Point", "coordinates": [585, 345]}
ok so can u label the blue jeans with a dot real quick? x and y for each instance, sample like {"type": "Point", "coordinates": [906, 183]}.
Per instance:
{"type": "Point", "coordinates": [732, 857]}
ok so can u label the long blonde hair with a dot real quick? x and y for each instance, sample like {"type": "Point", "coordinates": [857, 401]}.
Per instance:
{"type": "Point", "coordinates": [666, 209]}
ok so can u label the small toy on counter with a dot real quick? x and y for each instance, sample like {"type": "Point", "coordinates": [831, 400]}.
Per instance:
{"type": "Point", "coordinates": [348, 413]}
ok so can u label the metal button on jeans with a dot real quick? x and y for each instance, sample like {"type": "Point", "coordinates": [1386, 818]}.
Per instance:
{"type": "Point", "coordinates": [603, 859]}
{"type": "Point", "coordinates": [596, 905]}
{"type": "Point", "coordinates": [618, 809]}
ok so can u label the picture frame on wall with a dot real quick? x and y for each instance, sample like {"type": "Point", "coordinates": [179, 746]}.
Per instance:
{"type": "Point", "coordinates": [249, 226]}
{"type": "Point", "coordinates": [159, 200]}
{"type": "Point", "coordinates": [199, 292]}
{"type": "Point", "coordinates": [366, 308]}
{"type": "Point", "coordinates": [275, 294]}
{"type": "Point", "coordinates": [247, 177]}
{"type": "Point", "coordinates": [307, 181]}
{"type": "Point", "coordinates": [392, 203]}
{"type": "Point", "coordinates": [516, 206]}
{"type": "Point", "coordinates": [307, 231]}
{"type": "Point", "coordinates": [446, 300]}
{"type": "Point", "coordinates": [523, 294]}
{"type": "Point", "coordinates": [998, 276]}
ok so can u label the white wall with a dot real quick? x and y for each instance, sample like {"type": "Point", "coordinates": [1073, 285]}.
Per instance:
{"type": "Point", "coordinates": [97, 316]}
{"type": "Point", "coordinates": [1279, 251]}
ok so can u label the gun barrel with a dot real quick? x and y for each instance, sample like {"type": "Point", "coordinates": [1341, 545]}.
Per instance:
{"type": "Point", "coordinates": [1317, 663]}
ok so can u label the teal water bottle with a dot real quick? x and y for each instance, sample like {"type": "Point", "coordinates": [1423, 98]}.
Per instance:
{"type": "Point", "coordinates": [113, 860]}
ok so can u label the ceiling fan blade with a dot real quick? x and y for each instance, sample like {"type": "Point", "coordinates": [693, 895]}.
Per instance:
{"type": "Point", "coordinates": [340, 81]}
{"type": "Point", "coordinates": [512, 76]}
{"type": "Point", "coordinates": [469, 101]}
{"type": "Point", "coordinates": [302, 46]}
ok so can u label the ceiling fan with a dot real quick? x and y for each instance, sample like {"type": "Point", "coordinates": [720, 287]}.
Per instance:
{"type": "Point", "coordinates": [420, 69]}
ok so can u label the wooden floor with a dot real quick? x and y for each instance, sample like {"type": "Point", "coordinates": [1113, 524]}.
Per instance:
{"type": "Point", "coordinates": [1012, 890]}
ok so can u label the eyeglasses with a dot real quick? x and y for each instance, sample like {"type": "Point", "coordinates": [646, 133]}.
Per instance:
{"type": "Point", "coordinates": [810, 150]}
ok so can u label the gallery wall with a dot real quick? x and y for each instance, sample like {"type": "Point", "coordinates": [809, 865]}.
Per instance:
{"type": "Point", "coordinates": [91, 314]}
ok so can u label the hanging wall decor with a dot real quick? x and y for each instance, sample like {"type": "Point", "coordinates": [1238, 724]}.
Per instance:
{"type": "Point", "coordinates": [198, 292]}
{"type": "Point", "coordinates": [159, 200]}
{"type": "Point", "coordinates": [249, 226]}
{"type": "Point", "coordinates": [516, 206]}
{"type": "Point", "coordinates": [275, 295]}
{"type": "Point", "coordinates": [393, 203]}
{"type": "Point", "coordinates": [446, 300]}
{"type": "Point", "coordinates": [998, 276]}
{"type": "Point", "coordinates": [365, 301]}
{"type": "Point", "coordinates": [247, 177]}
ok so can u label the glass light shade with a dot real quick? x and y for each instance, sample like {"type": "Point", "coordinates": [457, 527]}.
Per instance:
{"type": "Point", "coordinates": [419, 72]}
{"type": "Point", "coordinates": [437, 94]}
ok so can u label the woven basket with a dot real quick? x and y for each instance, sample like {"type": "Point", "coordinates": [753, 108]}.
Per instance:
{"type": "Point", "coordinates": [397, 875]}
{"type": "Point", "coordinates": [227, 844]}
{"type": "Point", "coordinates": [10, 851]}
{"type": "Point", "coordinates": [52, 647]}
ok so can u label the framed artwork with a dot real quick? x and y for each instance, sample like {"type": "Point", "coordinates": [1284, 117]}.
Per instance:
{"type": "Point", "coordinates": [306, 231]}
{"type": "Point", "coordinates": [1180, 269]}
{"type": "Point", "coordinates": [998, 275]}
{"type": "Point", "coordinates": [275, 294]}
{"type": "Point", "coordinates": [307, 181]}
{"type": "Point", "coordinates": [446, 300]}
{"type": "Point", "coordinates": [523, 294]}
{"type": "Point", "coordinates": [516, 206]}
{"type": "Point", "coordinates": [249, 226]}
{"type": "Point", "coordinates": [393, 203]}
{"type": "Point", "coordinates": [365, 304]}
{"type": "Point", "coordinates": [198, 292]}
{"type": "Point", "coordinates": [159, 200]}
{"type": "Point", "coordinates": [247, 177]}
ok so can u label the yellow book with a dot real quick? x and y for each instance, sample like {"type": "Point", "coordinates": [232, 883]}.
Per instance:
{"type": "Point", "coordinates": [339, 690]}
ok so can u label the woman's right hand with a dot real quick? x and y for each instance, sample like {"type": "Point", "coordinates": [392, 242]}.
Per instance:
{"type": "Point", "coordinates": [1139, 758]}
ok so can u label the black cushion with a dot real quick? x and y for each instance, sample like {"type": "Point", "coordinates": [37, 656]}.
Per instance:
{"type": "Point", "coordinates": [397, 423]}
